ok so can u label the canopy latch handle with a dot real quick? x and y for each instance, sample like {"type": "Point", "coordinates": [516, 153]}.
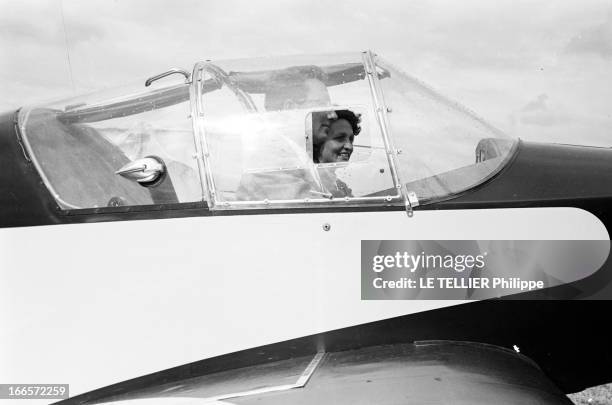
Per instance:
{"type": "Point", "coordinates": [168, 73]}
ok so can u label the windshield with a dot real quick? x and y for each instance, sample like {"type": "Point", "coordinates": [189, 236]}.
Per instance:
{"type": "Point", "coordinates": [442, 147]}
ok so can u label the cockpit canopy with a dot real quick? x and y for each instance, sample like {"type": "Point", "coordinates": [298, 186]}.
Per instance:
{"type": "Point", "coordinates": [294, 131]}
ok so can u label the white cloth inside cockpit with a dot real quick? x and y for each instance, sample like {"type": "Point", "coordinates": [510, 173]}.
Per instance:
{"type": "Point", "coordinates": [296, 184]}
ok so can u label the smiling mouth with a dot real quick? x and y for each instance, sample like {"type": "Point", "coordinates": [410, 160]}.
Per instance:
{"type": "Point", "coordinates": [344, 156]}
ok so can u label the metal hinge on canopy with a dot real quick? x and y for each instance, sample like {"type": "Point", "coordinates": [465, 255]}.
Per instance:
{"type": "Point", "coordinates": [411, 201]}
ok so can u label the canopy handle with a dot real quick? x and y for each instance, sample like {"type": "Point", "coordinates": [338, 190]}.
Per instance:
{"type": "Point", "coordinates": [168, 73]}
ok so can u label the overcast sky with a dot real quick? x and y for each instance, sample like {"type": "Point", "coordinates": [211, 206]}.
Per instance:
{"type": "Point", "coordinates": [536, 69]}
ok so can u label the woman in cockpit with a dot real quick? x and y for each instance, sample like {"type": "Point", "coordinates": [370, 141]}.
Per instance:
{"type": "Point", "coordinates": [333, 133]}
{"type": "Point", "coordinates": [333, 136]}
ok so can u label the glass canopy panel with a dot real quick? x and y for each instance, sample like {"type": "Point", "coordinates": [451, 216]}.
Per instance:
{"type": "Point", "coordinates": [79, 144]}
{"type": "Point", "coordinates": [279, 131]}
{"type": "Point", "coordinates": [445, 148]}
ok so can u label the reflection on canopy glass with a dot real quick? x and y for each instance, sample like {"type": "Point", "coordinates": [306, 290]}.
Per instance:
{"type": "Point", "coordinates": [264, 131]}
{"type": "Point", "coordinates": [80, 144]}
{"type": "Point", "coordinates": [445, 148]}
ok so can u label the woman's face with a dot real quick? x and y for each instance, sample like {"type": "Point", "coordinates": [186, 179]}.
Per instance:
{"type": "Point", "coordinates": [338, 144]}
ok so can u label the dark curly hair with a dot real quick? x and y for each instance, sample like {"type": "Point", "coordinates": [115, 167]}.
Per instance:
{"type": "Point", "coordinates": [353, 119]}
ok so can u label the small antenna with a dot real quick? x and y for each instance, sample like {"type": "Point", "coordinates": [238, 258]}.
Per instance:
{"type": "Point", "coordinates": [66, 43]}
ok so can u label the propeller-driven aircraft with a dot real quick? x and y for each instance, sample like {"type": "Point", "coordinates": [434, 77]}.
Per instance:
{"type": "Point", "coordinates": [201, 239]}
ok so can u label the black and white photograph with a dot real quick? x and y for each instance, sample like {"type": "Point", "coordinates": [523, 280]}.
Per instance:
{"type": "Point", "coordinates": [305, 202]}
